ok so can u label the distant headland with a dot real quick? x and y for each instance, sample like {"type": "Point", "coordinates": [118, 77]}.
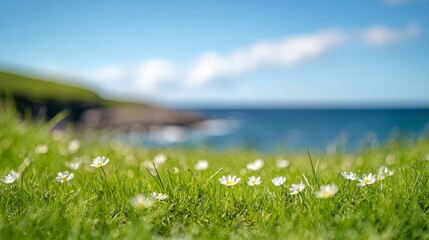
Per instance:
{"type": "Point", "coordinates": [84, 108]}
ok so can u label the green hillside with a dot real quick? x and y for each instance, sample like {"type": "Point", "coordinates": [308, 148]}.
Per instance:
{"type": "Point", "coordinates": [37, 89]}
{"type": "Point", "coordinates": [45, 99]}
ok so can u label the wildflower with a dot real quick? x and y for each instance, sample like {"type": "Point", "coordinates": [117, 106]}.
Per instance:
{"type": "Point", "coordinates": [350, 175]}
{"type": "Point", "coordinates": [253, 181]}
{"type": "Point", "coordinates": [73, 165]}
{"type": "Point", "coordinates": [366, 180]}
{"type": "Point", "coordinates": [387, 171]}
{"type": "Point", "coordinates": [327, 191]}
{"type": "Point", "coordinates": [140, 201]}
{"type": "Point", "coordinates": [175, 170]}
{"type": "Point", "coordinates": [383, 171]}
{"type": "Point", "coordinates": [74, 146]}
{"type": "Point", "coordinates": [278, 181]}
{"type": "Point", "coordinates": [256, 165]}
{"type": "Point", "coordinates": [147, 164]}
{"type": "Point", "coordinates": [159, 196]}
{"type": "Point", "coordinates": [11, 177]}
{"type": "Point", "coordinates": [282, 163]}
{"type": "Point", "coordinates": [229, 180]}
{"type": "Point", "coordinates": [160, 159]}
{"type": "Point", "coordinates": [41, 149]}
{"type": "Point", "coordinates": [201, 165]}
{"type": "Point", "coordinates": [99, 162]}
{"type": "Point", "coordinates": [297, 188]}
{"type": "Point", "coordinates": [64, 177]}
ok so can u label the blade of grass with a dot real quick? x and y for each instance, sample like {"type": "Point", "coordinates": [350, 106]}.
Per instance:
{"type": "Point", "coordinates": [216, 173]}
{"type": "Point", "coordinates": [313, 169]}
{"type": "Point", "coordinates": [158, 177]}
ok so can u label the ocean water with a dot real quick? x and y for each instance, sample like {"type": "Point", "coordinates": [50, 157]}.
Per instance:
{"type": "Point", "coordinates": [279, 130]}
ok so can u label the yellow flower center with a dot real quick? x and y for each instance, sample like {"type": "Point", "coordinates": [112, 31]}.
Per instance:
{"type": "Point", "coordinates": [100, 164]}
{"type": "Point", "coordinates": [254, 182]}
{"type": "Point", "coordinates": [229, 183]}
{"type": "Point", "coordinates": [366, 181]}
{"type": "Point", "coordinates": [64, 178]}
{"type": "Point", "coordinates": [326, 194]}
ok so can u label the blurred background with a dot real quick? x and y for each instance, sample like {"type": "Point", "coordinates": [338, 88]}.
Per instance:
{"type": "Point", "coordinates": [277, 76]}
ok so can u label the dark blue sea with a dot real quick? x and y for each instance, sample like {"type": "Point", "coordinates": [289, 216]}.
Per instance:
{"type": "Point", "coordinates": [280, 130]}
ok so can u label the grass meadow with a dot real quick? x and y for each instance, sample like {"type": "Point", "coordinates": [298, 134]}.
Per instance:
{"type": "Point", "coordinates": [115, 200]}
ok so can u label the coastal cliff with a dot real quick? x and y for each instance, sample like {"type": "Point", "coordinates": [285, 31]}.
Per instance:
{"type": "Point", "coordinates": [84, 108]}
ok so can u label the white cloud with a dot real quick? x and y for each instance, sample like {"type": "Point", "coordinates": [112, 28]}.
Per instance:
{"type": "Point", "coordinates": [144, 78]}
{"type": "Point", "coordinates": [381, 36]}
{"type": "Point", "coordinates": [151, 76]}
{"type": "Point", "coordinates": [153, 72]}
{"type": "Point", "coordinates": [287, 52]}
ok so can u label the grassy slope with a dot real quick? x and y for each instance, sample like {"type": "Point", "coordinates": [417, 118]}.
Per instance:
{"type": "Point", "coordinates": [92, 207]}
{"type": "Point", "coordinates": [40, 89]}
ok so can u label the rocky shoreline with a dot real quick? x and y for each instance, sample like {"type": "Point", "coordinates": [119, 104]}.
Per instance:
{"type": "Point", "coordinates": [135, 119]}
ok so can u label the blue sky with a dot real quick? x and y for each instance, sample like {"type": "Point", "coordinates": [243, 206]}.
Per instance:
{"type": "Point", "coordinates": [193, 53]}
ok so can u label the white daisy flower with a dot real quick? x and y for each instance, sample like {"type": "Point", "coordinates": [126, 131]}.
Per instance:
{"type": "Point", "coordinates": [229, 180]}
{"type": "Point", "coordinates": [256, 165]}
{"type": "Point", "coordinates": [350, 175]}
{"type": "Point", "coordinates": [74, 146]}
{"type": "Point", "coordinates": [99, 162]}
{"type": "Point", "coordinates": [141, 201]}
{"type": "Point", "coordinates": [297, 188]}
{"type": "Point", "coordinates": [253, 181]}
{"type": "Point", "coordinates": [160, 159]}
{"type": "Point", "coordinates": [201, 165]}
{"type": "Point", "coordinates": [282, 163]}
{"type": "Point", "coordinates": [383, 171]}
{"type": "Point", "coordinates": [64, 177]}
{"type": "Point", "coordinates": [327, 191]}
{"type": "Point", "coordinates": [41, 149]}
{"type": "Point", "coordinates": [278, 181]}
{"type": "Point", "coordinates": [10, 177]}
{"type": "Point", "coordinates": [73, 165]}
{"type": "Point", "coordinates": [159, 196]}
{"type": "Point", "coordinates": [366, 180]}
{"type": "Point", "coordinates": [148, 164]}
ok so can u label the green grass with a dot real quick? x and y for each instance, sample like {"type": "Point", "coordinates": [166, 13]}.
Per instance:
{"type": "Point", "coordinates": [92, 206]}
{"type": "Point", "coordinates": [40, 89]}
